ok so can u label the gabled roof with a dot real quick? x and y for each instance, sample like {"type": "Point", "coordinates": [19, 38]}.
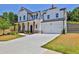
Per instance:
{"type": "Point", "coordinates": [22, 8]}
{"type": "Point", "coordinates": [50, 8]}
{"type": "Point", "coordinates": [63, 9]}
{"type": "Point", "coordinates": [44, 11]}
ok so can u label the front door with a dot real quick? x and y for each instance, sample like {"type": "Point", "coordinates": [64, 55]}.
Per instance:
{"type": "Point", "coordinates": [31, 29]}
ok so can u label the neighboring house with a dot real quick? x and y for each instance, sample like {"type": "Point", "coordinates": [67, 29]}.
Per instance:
{"type": "Point", "coordinates": [52, 20]}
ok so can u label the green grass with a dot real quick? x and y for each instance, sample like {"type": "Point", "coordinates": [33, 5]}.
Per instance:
{"type": "Point", "coordinates": [67, 44]}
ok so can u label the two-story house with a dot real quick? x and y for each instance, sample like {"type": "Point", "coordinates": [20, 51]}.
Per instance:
{"type": "Point", "coordinates": [51, 20]}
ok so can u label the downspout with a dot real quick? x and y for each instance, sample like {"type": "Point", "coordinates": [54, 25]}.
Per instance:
{"type": "Point", "coordinates": [65, 21]}
{"type": "Point", "coordinates": [28, 21]}
{"type": "Point", "coordinates": [42, 19]}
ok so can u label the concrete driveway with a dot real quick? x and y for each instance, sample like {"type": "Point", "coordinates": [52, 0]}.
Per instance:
{"type": "Point", "coordinates": [30, 44]}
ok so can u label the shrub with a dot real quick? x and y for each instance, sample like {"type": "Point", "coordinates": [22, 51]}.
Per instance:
{"type": "Point", "coordinates": [28, 32]}
{"type": "Point", "coordinates": [13, 33]}
{"type": "Point", "coordinates": [4, 24]}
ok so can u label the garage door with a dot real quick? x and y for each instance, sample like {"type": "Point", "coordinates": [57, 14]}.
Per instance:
{"type": "Point", "coordinates": [52, 27]}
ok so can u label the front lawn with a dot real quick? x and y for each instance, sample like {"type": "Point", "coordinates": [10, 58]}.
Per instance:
{"type": "Point", "coordinates": [68, 44]}
{"type": "Point", "coordinates": [9, 37]}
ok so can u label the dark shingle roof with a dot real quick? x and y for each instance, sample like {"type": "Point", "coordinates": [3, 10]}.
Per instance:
{"type": "Point", "coordinates": [22, 8]}
{"type": "Point", "coordinates": [62, 8]}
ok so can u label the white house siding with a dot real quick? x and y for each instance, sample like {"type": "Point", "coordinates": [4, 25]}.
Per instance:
{"type": "Point", "coordinates": [34, 14]}
{"type": "Point", "coordinates": [52, 14]}
{"type": "Point", "coordinates": [21, 14]}
{"type": "Point", "coordinates": [38, 23]}
{"type": "Point", "coordinates": [26, 28]}
{"type": "Point", "coordinates": [20, 27]}
{"type": "Point", "coordinates": [52, 27]}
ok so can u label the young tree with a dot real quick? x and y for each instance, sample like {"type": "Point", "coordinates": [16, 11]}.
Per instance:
{"type": "Point", "coordinates": [4, 24]}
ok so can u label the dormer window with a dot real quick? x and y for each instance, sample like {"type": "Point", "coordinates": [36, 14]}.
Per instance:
{"type": "Point", "coordinates": [24, 17]}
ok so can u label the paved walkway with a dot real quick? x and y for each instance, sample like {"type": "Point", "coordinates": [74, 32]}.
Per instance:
{"type": "Point", "coordinates": [29, 44]}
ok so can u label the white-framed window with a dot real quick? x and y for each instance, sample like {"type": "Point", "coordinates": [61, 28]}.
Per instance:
{"type": "Point", "coordinates": [57, 15]}
{"type": "Point", "coordinates": [24, 17]}
{"type": "Point", "coordinates": [20, 18]}
{"type": "Point", "coordinates": [48, 16]}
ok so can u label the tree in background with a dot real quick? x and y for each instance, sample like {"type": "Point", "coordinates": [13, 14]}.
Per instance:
{"type": "Point", "coordinates": [74, 15]}
{"type": "Point", "coordinates": [5, 15]}
{"type": "Point", "coordinates": [11, 17]}
{"type": "Point", "coordinates": [4, 24]}
{"type": "Point", "coordinates": [69, 16]}
{"type": "Point", "coordinates": [15, 18]}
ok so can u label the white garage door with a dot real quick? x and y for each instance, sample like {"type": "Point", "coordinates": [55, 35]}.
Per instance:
{"type": "Point", "coordinates": [52, 27]}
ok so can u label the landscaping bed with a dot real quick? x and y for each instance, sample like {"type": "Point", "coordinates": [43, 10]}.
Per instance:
{"type": "Point", "coordinates": [9, 37]}
{"type": "Point", "coordinates": [68, 44]}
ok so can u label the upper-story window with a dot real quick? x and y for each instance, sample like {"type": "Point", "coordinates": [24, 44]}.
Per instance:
{"type": "Point", "coordinates": [36, 16]}
{"type": "Point", "coordinates": [32, 16]}
{"type": "Point", "coordinates": [57, 15]}
{"type": "Point", "coordinates": [20, 17]}
{"type": "Point", "coordinates": [24, 17]}
{"type": "Point", "coordinates": [48, 16]}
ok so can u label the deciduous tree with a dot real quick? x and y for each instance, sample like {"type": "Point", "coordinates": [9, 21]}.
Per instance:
{"type": "Point", "coordinates": [4, 24]}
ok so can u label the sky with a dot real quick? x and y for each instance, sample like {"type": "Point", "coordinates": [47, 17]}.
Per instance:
{"type": "Point", "coordinates": [33, 7]}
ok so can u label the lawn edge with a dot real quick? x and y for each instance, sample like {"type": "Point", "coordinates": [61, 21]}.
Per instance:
{"type": "Point", "coordinates": [43, 46]}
